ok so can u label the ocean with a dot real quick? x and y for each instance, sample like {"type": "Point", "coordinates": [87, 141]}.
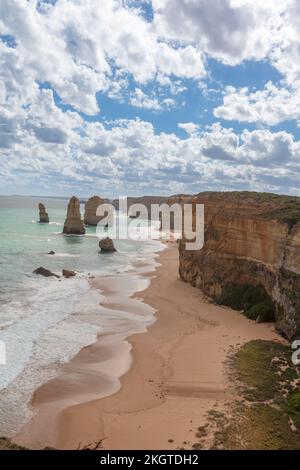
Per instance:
{"type": "Point", "coordinates": [45, 322]}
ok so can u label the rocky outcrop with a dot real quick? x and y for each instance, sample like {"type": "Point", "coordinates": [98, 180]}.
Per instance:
{"type": "Point", "coordinates": [45, 272]}
{"type": "Point", "coordinates": [73, 224]}
{"type": "Point", "coordinates": [106, 245]}
{"type": "Point", "coordinates": [250, 239]}
{"type": "Point", "coordinates": [67, 273]}
{"type": "Point", "coordinates": [44, 218]}
{"type": "Point", "coordinates": [91, 206]}
{"type": "Point", "coordinates": [147, 201]}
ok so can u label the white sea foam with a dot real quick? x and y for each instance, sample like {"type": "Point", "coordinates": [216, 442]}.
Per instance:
{"type": "Point", "coordinates": [63, 255]}
{"type": "Point", "coordinates": [50, 324]}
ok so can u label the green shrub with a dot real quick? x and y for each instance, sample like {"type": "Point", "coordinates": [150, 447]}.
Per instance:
{"type": "Point", "coordinates": [294, 403]}
{"type": "Point", "coordinates": [263, 312]}
{"type": "Point", "coordinates": [253, 300]}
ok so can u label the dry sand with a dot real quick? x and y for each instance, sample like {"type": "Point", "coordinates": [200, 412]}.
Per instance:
{"type": "Point", "coordinates": [177, 374]}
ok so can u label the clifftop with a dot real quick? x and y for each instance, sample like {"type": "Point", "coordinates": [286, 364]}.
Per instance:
{"type": "Point", "coordinates": [283, 208]}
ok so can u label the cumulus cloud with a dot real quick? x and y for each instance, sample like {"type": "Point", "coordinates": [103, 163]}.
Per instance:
{"type": "Point", "coordinates": [56, 56]}
{"type": "Point", "coordinates": [229, 30]}
{"type": "Point", "coordinates": [189, 127]}
{"type": "Point", "coordinates": [78, 47]}
{"type": "Point", "coordinates": [137, 158]}
{"type": "Point", "coordinates": [275, 103]}
{"type": "Point", "coordinates": [140, 100]}
{"type": "Point", "coordinates": [271, 105]}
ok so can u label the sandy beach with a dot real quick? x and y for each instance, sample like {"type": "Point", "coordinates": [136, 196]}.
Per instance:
{"type": "Point", "coordinates": [171, 375]}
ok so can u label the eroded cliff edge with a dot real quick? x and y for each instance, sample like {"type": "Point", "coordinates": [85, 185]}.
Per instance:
{"type": "Point", "coordinates": [253, 239]}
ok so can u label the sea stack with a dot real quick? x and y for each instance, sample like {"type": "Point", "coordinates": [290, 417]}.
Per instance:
{"type": "Point", "coordinates": [44, 218]}
{"type": "Point", "coordinates": [90, 217]}
{"type": "Point", "coordinates": [73, 224]}
{"type": "Point", "coordinates": [107, 245]}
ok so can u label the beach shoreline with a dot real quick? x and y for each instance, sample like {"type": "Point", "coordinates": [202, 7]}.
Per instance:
{"type": "Point", "coordinates": [174, 372]}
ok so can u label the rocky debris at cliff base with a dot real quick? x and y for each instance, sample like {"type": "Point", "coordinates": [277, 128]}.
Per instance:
{"type": "Point", "coordinates": [106, 245]}
{"type": "Point", "coordinates": [45, 272]}
{"type": "Point", "coordinates": [67, 273]}
{"type": "Point", "coordinates": [73, 224]}
{"type": "Point", "coordinates": [90, 213]}
{"type": "Point", "coordinates": [44, 218]}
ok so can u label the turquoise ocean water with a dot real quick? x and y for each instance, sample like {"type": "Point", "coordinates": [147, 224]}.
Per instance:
{"type": "Point", "coordinates": [44, 322]}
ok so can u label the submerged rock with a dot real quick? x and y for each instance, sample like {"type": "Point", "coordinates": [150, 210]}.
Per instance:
{"type": "Point", "coordinates": [44, 218]}
{"type": "Point", "coordinates": [90, 216]}
{"type": "Point", "coordinates": [107, 245]}
{"type": "Point", "coordinates": [44, 272]}
{"type": "Point", "coordinates": [73, 224]}
{"type": "Point", "coordinates": [66, 273]}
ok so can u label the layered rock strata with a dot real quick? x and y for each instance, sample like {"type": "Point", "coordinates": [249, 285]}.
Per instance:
{"type": "Point", "coordinates": [250, 239]}
{"type": "Point", "coordinates": [43, 215]}
{"type": "Point", "coordinates": [73, 223]}
{"type": "Point", "coordinates": [90, 214]}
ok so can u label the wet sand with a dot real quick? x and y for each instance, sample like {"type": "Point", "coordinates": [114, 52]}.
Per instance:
{"type": "Point", "coordinates": [171, 374]}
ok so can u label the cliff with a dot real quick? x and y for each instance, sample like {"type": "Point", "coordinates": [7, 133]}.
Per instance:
{"type": "Point", "coordinates": [73, 223]}
{"type": "Point", "coordinates": [251, 239]}
{"type": "Point", "coordinates": [91, 206]}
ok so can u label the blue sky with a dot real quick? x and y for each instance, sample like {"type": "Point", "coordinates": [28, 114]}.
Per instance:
{"type": "Point", "coordinates": [161, 96]}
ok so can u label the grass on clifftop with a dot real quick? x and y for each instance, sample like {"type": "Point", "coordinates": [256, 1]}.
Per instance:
{"type": "Point", "coordinates": [280, 207]}
{"type": "Point", "coordinates": [253, 300]}
{"type": "Point", "coordinates": [267, 417]}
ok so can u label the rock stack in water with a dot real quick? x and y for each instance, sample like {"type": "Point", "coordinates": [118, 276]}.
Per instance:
{"type": "Point", "coordinates": [73, 224]}
{"type": "Point", "coordinates": [90, 216]}
{"type": "Point", "coordinates": [44, 218]}
{"type": "Point", "coordinates": [107, 245]}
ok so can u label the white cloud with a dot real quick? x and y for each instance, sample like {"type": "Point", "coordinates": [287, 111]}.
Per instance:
{"type": "Point", "coordinates": [136, 158]}
{"type": "Point", "coordinates": [79, 48]}
{"type": "Point", "coordinates": [229, 30]}
{"type": "Point", "coordinates": [271, 105]}
{"type": "Point", "coordinates": [140, 100]}
{"type": "Point", "coordinates": [275, 103]}
{"type": "Point", "coordinates": [190, 128]}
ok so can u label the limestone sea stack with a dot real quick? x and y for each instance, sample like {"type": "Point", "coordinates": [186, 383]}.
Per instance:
{"type": "Point", "coordinates": [107, 245]}
{"type": "Point", "coordinates": [44, 218]}
{"type": "Point", "coordinates": [73, 223]}
{"type": "Point", "coordinates": [90, 217]}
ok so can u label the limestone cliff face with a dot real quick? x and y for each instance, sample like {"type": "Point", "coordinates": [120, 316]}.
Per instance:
{"type": "Point", "coordinates": [250, 238]}
{"type": "Point", "coordinates": [73, 224]}
{"type": "Point", "coordinates": [44, 218]}
{"type": "Point", "coordinates": [91, 206]}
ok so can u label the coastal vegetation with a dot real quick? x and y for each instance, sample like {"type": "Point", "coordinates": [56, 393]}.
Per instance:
{"type": "Point", "coordinates": [252, 300]}
{"type": "Point", "coordinates": [267, 414]}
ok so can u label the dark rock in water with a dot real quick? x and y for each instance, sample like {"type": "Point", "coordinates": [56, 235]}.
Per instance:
{"type": "Point", "coordinates": [51, 252]}
{"type": "Point", "coordinates": [107, 245]}
{"type": "Point", "coordinates": [67, 273]}
{"type": "Point", "coordinates": [74, 224]}
{"type": "Point", "coordinates": [45, 272]}
{"type": "Point", "coordinates": [44, 218]}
